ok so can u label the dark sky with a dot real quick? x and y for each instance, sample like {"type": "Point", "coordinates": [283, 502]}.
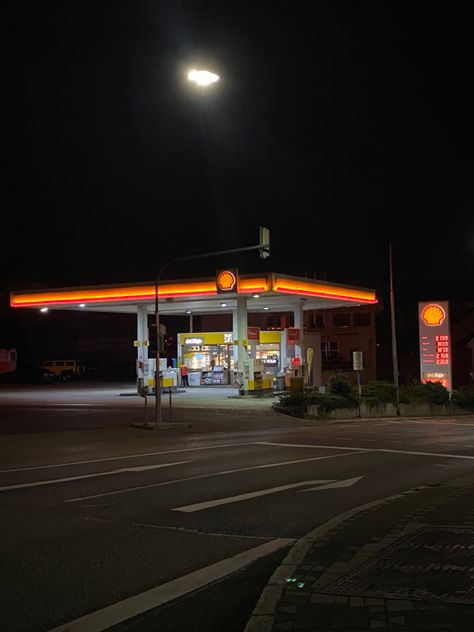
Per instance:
{"type": "Point", "coordinates": [339, 125]}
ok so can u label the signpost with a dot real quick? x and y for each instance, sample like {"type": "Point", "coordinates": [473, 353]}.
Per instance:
{"type": "Point", "coordinates": [358, 365]}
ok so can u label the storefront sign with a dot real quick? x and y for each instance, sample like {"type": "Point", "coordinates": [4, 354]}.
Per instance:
{"type": "Point", "coordinates": [253, 333]}
{"type": "Point", "coordinates": [435, 343]}
{"type": "Point", "coordinates": [226, 281]}
{"type": "Point", "coordinates": [228, 339]}
{"type": "Point", "coordinates": [194, 341]}
{"type": "Point", "coordinates": [293, 335]}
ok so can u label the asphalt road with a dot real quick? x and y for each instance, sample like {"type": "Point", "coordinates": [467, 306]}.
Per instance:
{"type": "Point", "coordinates": [107, 524]}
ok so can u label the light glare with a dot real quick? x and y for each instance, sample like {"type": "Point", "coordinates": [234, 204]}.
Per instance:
{"type": "Point", "coordinates": [202, 77]}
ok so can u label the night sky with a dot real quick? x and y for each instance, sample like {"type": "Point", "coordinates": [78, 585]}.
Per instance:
{"type": "Point", "coordinates": [339, 125]}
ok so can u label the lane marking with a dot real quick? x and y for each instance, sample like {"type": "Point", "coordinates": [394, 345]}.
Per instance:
{"type": "Point", "coordinates": [55, 481]}
{"type": "Point", "coordinates": [304, 445]}
{"type": "Point", "coordinates": [133, 606]}
{"type": "Point", "coordinates": [126, 456]}
{"type": "Point", "coordinates": [348, 482]}
{"type": "Point", "coordinates": [441, 454]}
{"type": "Point", "coordinates": [371, 449]}
{"type": "Point", "coordinates": [235, 499]}
{"type": "Point", "coordinates": [201, 476]}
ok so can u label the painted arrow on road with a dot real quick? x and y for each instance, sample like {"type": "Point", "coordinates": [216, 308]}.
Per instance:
{"type": "Point", "coordinates": [348, 482]}
{"type": "Point", "coordinates": [322, 484]}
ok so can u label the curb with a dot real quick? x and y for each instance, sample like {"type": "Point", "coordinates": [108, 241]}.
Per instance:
{"type": "Point", "coordinates": [262, 618]}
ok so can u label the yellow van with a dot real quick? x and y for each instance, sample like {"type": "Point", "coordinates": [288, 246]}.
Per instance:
{"type": "Point", "coordinates": [65, 369]}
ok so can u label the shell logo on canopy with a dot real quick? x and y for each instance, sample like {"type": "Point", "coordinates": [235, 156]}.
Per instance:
{"type": "Point", "coordinates": [433, 315]}
{"type": "Point", "coordinates": [226, 281]}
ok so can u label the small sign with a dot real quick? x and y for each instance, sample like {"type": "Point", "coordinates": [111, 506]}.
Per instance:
{"type": "Point", "coordinates": [253, 333]}
{"type": "Point", "coordinates": [194, 341]}
{"type": "Point", "coordinates": [135, 343]}
{"type": "Point", "coordinates": [357, 361]}
{"type": "Point", "coordinates": [228, 338]}
{"type": "Point", "coordinates": [293, 335]}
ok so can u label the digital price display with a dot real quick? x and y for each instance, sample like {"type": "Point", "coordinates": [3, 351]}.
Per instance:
{"type": "Point", "coordinates": [435, 343]}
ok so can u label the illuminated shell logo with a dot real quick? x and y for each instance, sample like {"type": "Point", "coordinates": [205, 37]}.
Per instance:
{"type": "Point", "coordinates": [226, 281]}
{"type": "Point", "coordinates": [433, 315]}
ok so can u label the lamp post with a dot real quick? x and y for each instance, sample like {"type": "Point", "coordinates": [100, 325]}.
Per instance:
{"type": "Point", "coordinates": [396, 379]}
{"type": "Point", "coordinates": [202, 79]}
{"type": "Point", "coordinates": [263, 246]}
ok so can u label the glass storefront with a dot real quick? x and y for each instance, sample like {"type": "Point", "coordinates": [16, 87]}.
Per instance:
{"type": "Point", "coordinates": [209, 356]}
{"type": "Point", "coordinates": [269, 354]}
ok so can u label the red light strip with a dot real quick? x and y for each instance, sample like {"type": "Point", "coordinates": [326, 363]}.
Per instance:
{"type": "Point", "coordinates": [308, 288]}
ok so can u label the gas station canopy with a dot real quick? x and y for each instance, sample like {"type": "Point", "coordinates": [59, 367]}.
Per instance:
{"type": "Point", "coordinates": [272, 292]}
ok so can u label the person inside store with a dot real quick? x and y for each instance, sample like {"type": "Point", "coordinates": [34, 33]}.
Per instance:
{"type": "Point", "coordinates": [184, 375]}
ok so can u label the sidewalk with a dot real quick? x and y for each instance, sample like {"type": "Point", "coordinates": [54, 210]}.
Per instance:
{"type": "Point", "coordinates": [401, 564]}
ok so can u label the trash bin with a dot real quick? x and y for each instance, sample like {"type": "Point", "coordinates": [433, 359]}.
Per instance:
{"type": "Point", "coordinates": [280, 383]}
{"type": "Point", "coordinates": [296, 384]}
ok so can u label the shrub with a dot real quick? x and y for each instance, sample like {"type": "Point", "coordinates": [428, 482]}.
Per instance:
{"type": "Point", "coordinates": [296, 404]}
{"type": "Point", "coordinates": [338, 384]}
{"type": "Point", "coordinates": [330, 401]}
{"type": "Point", "coordinates": [379, 391]}
{"type": "Point", "coordinates": [464, 397]}
{"type": "Point", "coordinates": [432, 392]}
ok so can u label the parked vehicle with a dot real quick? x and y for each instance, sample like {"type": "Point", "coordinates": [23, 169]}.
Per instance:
{"type": "Point", "coordinates": [8, 360]}
{"type": "Point", "coordinates": [66, 370]}
{"type": "Point", "coordinates": [28, 373]}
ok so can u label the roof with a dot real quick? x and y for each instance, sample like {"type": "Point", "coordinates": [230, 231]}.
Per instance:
{"type": "Point", "coordinates": [275, 291]}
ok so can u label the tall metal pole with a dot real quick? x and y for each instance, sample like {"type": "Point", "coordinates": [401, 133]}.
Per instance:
{"type": "Point", "coordinates": [396, 381]}
{"type": "Point", "coordinates": [263, 246]}
{"type": "Point", "coordinates": [157, 367]}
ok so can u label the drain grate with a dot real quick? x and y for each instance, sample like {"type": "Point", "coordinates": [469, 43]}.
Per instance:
{"type": "Point", "coordinates": [434, 563]}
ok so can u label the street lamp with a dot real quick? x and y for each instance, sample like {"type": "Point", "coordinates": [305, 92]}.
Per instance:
{"type": "Point", "coordinates": [202, 77]}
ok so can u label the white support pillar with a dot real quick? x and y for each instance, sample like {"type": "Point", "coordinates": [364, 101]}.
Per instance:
{"type": "Point", "coordinates": [142, 348]}
{"type": "Point", "coordinates": [239, 333]}
{"type": "Point", "coordinates": [298, 323]}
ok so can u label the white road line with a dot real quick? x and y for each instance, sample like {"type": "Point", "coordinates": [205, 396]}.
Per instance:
{"type": "Point", "coordinates": [441, 454]}
{"type": "Point", "coordinates": [306, 445]}
{"type": "Point", "coordinates": [55, 481]}
{"type": "Point", "coordinates": [225, 472]}
{"type": "Point", "coordinates": [371, 449]}
{"type": "Point", "coordinates": [125, 456]}
{"type": "Point", "coordinates": [235, 499]}
{"type": "Point", "coordinates": [133, 606]}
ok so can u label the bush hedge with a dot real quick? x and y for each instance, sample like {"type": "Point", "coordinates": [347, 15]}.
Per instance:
{"type": "Point", "coordinates": [341, 394]}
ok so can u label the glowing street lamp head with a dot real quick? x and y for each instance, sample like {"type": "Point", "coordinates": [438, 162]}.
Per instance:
{"type": "Point", "coordinates": [202, 77]}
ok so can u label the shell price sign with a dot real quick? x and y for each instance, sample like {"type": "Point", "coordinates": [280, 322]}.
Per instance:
{"type": "Point", "coordinates": [435, 343]}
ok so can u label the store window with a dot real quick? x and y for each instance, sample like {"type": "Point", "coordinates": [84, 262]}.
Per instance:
{"type": "Point", "coordinates": [341, 320]}
{"type": "Point", "coordinates": [362, 319]}
{"type": "Point", "coordinates": [329, 350]}
{"type": "Point", "coordinates": [269, 354]}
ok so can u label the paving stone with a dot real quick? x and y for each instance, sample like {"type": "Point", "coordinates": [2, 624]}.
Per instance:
{"type": "Point", "coordinates": [287, 609]}
{"type": "Point", "coordinates": [373, 601]}
{"type": "Point", "coordinates": [400, 605]}
{"type": "Point", "coordinates": [374, 624]}
{"type": "Point", "coordinates": [397, 620]}
{"type": "Point", "coordinates": [356, 601]}
{"type": "Point", "coordinates": [323, 599]}
{"type": "Point", "coordinates": [284, 626]}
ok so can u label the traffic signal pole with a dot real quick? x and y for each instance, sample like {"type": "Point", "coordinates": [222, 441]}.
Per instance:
{"type": "Point", "coordinates": [263, 247]}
